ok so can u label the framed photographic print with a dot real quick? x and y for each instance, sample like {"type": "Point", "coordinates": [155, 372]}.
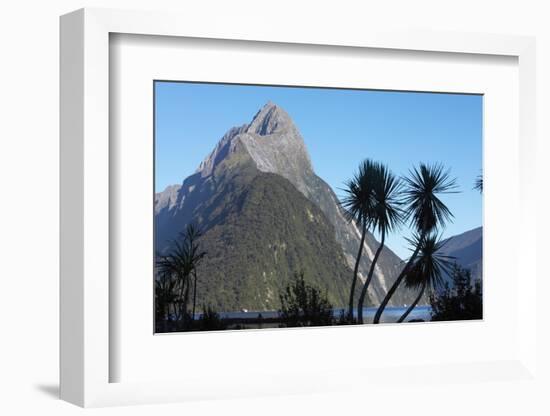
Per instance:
{"type": "Point", "coordinates": [244, 208]}
{"type": "Point", "coordinates": [263, 227]}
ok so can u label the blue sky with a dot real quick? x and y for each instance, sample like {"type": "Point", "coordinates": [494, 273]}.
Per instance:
{"type": "Point", "coordinates": [340, 128]}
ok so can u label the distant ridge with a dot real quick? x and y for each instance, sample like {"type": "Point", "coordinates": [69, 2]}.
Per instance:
{"type": "Point", "coordinates": [467, 248]}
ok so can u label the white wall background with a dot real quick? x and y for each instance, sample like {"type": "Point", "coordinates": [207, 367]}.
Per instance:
{"type": "Point", "coordinates": [29, 187]}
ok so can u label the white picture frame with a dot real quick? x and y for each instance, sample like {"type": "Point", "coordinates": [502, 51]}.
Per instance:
{"type": "Point", "coordinates": [86, 353]}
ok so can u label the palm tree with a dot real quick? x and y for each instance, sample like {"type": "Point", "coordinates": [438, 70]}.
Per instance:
{"type": "Point", "coordinates": [358, 207]}
{"type": "Point", "coordinates": [164, 297]}
{"type": "Point", "coordinates": [386, 216]}
{"type": "Point", "coordinates": [428, 269]}
{"type": "Point", "coordinates": [175, 264]}
{"type": "Point", "coordinates": [478, 184]}
{"type": "Point", "coordinates": [192, 234]}
{"type": "Point", "coordinates": [425, 211]}
{"type": "Point", "coordinates": [181, 262]}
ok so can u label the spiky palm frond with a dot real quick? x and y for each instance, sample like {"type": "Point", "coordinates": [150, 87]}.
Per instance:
{"type": "Point", "coordinates": [358, 203]}
{"type": "Point", "coordinates": [190, 236]}
{"type": "Point", "coordinates": [430, 264]}
{"type": "Point", "coordinates": [420, 196]}
{"type": "Point", "coordinates": [478, 184]}
{"type": "Point", "coordinates": [372, 197]}
{"type": "Point", "coordinates": [185, 254]}
{"type": "Point", "coordinates": [386, 199]}
{"type": "Point", "coordinates": [177, 261]}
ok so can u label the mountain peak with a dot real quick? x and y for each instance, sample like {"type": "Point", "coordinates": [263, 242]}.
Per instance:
{"type": "Point", "coordinates": [270, 119]}
{"type": "Point", "coordinates": [271, 140]}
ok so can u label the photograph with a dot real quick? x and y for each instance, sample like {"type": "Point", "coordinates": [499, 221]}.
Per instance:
{"type": "Point", "coordinates": [299, 206]}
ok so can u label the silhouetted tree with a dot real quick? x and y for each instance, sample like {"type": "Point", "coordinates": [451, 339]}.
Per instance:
{"type": "Point", "coordinates": [179, 264]}
{"type": "Point", "coordinates": [343, 318]}
{"type": "Point", "coordinates": [478, 184]}
{"type": "Point", "coordinates": [164, 298]}
{"type": "Point", "coordinates": [385, 216]}
{"type": "Point", "coordinates": [358, 205]}
{"type": "Point", "coordinates": [210, 320]}
{"type": "Point", "coordinates": [462, 301]}
{"type": "Point", "coordinates": [428, 269]}
{"type": "Point", "coordinates": [304, 305]}
{"type": "Point", "coordinates": [425, 211]}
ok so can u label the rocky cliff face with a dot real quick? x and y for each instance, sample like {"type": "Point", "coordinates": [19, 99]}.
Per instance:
{"type": "Point", "coordinates": [273, 142]}
{"type": "Point", "coordinates": [274, 145]}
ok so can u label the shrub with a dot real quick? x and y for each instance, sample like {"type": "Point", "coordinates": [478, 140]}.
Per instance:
{"type": "Point", "coordinates": [462, 301]}
{"type": "Point", "coordinates": [304, 305]}
{"type": "Point", "coordinates": [210, 320]}
{"type": "Point", "coordinates": [344, 318]}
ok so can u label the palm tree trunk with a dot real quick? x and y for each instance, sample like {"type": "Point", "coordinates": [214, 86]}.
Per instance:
{"type": "Point", "coordinates": [181, 280]}
{"type": "Point", "coordinates": [395, 285]}
{"type": "Point", "coordinates": [356, 269]}
{"type": "Point", "coordinates": [369, 278]}
{"type": "Point", "coordinates": [413, 305]}
{"type": "Point", "coordinates": [194, 294]}
{"type": "Point", "coordinates": [186, 295]}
